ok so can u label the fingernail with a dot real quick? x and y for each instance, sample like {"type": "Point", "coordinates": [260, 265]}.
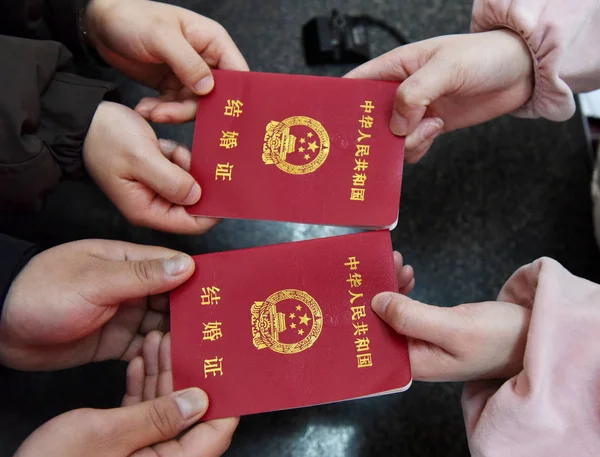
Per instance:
{"type": "Point", "coordinates": [167, 145]}
{"type": "Point", "coordinates": [430, 130]}
{"type": "Point", "coordinates": [204, 86]}
{"type": "Point", "coordinates": [398, 125]}
{"type": "Point", "coordinates": [380, 302]}
{"type": "Point", "coordinates": [191, 402]}
{"type": "Point", "coordinates": [194, 195]}
{"type": "Point", "coordinates": [178, 264]}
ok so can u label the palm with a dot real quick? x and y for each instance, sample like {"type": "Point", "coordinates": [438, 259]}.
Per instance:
{"type": "Point", "coordinates": [86, 301]}
{"type": "Point", "coordinates": [122, 336]}
{"type": "Point", "coordinates": [164, 47]}
{"type": "Point", "coordinates": [99, 333]}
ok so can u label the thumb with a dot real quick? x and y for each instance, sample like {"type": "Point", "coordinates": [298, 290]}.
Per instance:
{"type": "Point", "coordinates": [416, 320]}
{"type": "Point", "coordinates": [172, 47]}
{"type": "Point", "coordinates": [152, 422]}
{"type": "Point", "coordinates": [130, 279]}
{"type": "Point", "coordinates": [422, 77]}
{"type": "Point", "coordinates": [416, 93]}
{"type": "Point", "coordinates": [167, 179]}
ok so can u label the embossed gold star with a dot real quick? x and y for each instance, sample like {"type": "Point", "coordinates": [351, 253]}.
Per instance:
{"type": "Point", "coordinates": [299, 308]}
{"type": "Point", "coordinates": [292, 316]}
{"type": "Point", "coordinates": [301, 149]}
{"type": "Point", "coordinates": [304, 319]}
{"type": "Point", "coordinates": [312, 146]}
{"type": "Point", "coordinates": [302, 140]}
{"type": "Point", "coordinates": [300, 332]}
{"type": "Point", "coordinates": [310, 135]}
{"type": "Point", "coordinates": [293, 325]}
{"type": "Point", "coordinates": [306, 156]}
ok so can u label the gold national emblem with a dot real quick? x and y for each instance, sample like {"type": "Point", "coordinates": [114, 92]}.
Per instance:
{"type": "Point", "coordinates": [287, 322]}
{"type": "Point", "coordinates": [297, 145]}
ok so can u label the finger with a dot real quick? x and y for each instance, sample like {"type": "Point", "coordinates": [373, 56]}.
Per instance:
{"type": "Point", "coordinates": [404, 274]}
{"type": "Point", "coordinates": [409, 317]}
{"type": "Point", "coordinates": [137, 426]}
{"type": "Point", "coordinates": [408, 288]}
{"type": "Point", "coordinates": [134, 349]}
{"type": "Point", "coordinates": [135, 382]}
{"type": "Point", "coordinates": [174, 112]}
{"type": "Point", "coordinates": [150, 353]}
{"type": "Point", "coordinates": [416, 93]}
{"type": "Point", "coordinates": [417, 154]}
{"type": "Point", "coordinates": [398, 261]}
{"type": "Point", "coordinates": [176, 104]}
{"type": "Point", "coordinates": [159, 303]}
{"type": "Point", "coordinates": [176, 153]}
{"type": "Point", "coordinates": [145, 106]}
{"type": "Point", "coordinates": [406, 280]}
{"type": "Point", "coordinates": [164, 216]}
{"type": "Point", "coordinates": [123, 250]}
{"type": "Point", "coordinates": [154, 321]}
{"type": "Point", "coordinates": [218, 50]}
{"type": "Point", "coordinates": [173, 48]}
{"type": "Point", "coordinates": [401, 64]}
{"type": "Point", "coordinates": [427, 130]}
{"type": "Point", "coordinates": [127, 280]}
{"type": "Point", "coordinates": [429, 362]}
{"type": "Point", "coordinates": [395, 65]}
{"type": "Point", "coordinates": [165, 375]}
{"type": "Point", "coordinates": [213, 437]}
{"type": "Point", "coordinates": [167, 179]}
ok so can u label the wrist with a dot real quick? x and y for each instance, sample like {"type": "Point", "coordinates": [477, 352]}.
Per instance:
{"type": "Point", "coordinates": [519, 55]}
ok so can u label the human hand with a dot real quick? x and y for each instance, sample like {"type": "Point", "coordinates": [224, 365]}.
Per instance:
{"type": "Point", "coordinates": [462, 343]}
{"type": "Point", "coordinates": [405, 275]}
{"type": "Point", "coordinates": [141, 429]}
{"type": "Point", "coordinates": [149, 376]}
{"type": "Point", "coordinates": [165, 47]}
{"type": "Point", "coordinates": [88, 301]}
{"type": "Point", "coordinates": [452, 82]}
{"type": "Point", "coordinates": [146, 179]}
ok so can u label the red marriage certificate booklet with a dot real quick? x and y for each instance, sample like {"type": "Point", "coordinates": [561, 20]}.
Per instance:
{"type": "Point", "coordinates": [288, 325]}
{"type": "Point", "coordinates": [293, 148]}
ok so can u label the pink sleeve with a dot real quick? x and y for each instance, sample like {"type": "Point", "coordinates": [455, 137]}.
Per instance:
{"type": "Point", "coordinates": [551, 408]}
{"type": "Point", "coordinates": [562, 36]}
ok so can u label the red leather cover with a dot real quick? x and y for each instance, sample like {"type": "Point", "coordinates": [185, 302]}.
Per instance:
{"type": "Point", "coordinates": [288, 325]}
{"type": "Point", "coordinates": [297, 148]}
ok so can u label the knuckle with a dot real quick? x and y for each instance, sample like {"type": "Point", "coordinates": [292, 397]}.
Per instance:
{"type": "Point", "coordinates": [392, 66]}
{"type": "Point", "coordinates": [408, 94]}
{"type": "Point", "coordinates": [395, 314]}
{"type": "Point", "coordinates": [198, 69]}
{"type": "Point", "coordinates": [181, 186]}
{"type": "Point", "coordinates": [142, 270]}
{"type": "Point", "coordinates": [164, 423]}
